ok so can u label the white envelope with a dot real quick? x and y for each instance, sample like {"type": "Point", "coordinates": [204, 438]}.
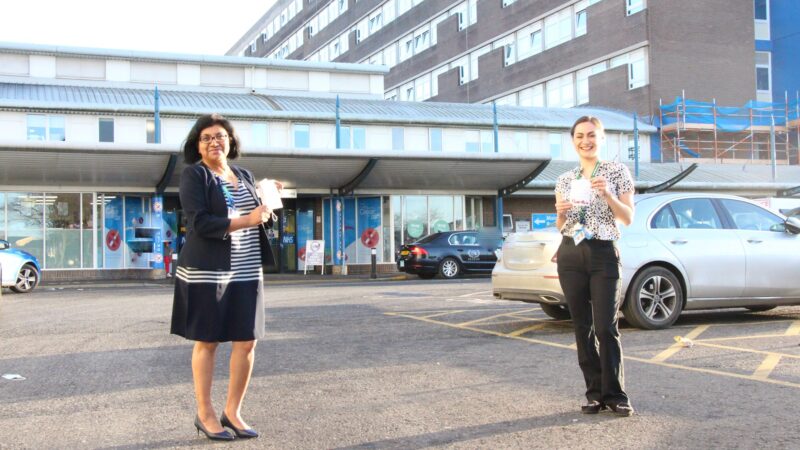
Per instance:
{"type": "Point", "coordinates": [269, 194]}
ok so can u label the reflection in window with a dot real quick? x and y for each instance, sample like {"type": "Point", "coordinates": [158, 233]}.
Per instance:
{"type": "Point", "coordinates": [25, 220]}
{"type": "Point", "coordinates": [63, 227]}
{"type": "Point", "coordinates": [751, 217]}
{"type": "Point", "coordinates": [696, 213]}
{"type": "Point", "coordinates": [398, 138]}
{"type": "Point", "coordinates": [416, 215]}
{"type": "Point", "coordinates": [555, 145]}
{"type": "Point", "coordinates": [440, 213]}
{"type": "Point", "coordinates": [45, 128]}
{"type": "Point", "coordinates": [761, 10]}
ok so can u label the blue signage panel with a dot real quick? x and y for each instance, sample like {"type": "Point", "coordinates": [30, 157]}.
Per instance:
{"type": "Point", "coordinates": [539, 221]}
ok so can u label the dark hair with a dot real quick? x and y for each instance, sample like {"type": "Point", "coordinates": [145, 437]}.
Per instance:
{"type": "Point", "coordinates": [583, 119]}
{"type": "Point", "coordinates": [190, 146]}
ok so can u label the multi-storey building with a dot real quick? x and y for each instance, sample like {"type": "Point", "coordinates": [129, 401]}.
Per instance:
{"type": "Point", "coordinates": [623, 54]}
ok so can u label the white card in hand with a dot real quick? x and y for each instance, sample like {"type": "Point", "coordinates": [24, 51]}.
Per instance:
{"type": "Point", "coordinates": [269, 194]}
{"type": "Point", "coordinates": [580, 192]}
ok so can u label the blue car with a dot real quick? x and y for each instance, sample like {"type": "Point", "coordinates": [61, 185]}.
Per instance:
{"type": "Point", "coordinates": [20, 270]}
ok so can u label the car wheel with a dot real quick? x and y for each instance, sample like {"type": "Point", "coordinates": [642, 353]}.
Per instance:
{"type": "Point", "coordinates": [449, 268]}
{"type": "Point", "coordinates": [655, 299]}
{"type": "Point", "coordinates": [558, 312]}
{"type": "Point", "coordinates": [760, 308]}
{"type": "Point", "coordinates": [426, 276]}
{"type": "Point", "coordinates": [27, 279]}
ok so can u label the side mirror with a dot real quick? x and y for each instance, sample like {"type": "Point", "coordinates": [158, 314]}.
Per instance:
{"type": "Point", "coordinates": [792, 225]}
{"type": "Point", "coordinates": [4, 244]}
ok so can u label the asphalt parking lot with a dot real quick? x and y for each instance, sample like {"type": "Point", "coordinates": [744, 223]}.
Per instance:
{"type": "Point", "coordinates": [400, 365]}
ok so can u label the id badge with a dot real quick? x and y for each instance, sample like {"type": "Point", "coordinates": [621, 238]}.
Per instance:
{"type": "Point", "coordinates": [578, 234]}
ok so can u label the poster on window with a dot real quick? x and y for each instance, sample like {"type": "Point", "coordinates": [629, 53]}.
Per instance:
{"type": "Point", "coordinates": [369, 227]}
{"type": "Point", "coordinates": [305, 232]}
{"type": "Point", "coordinates": [350, 231]}
{"type": "Point", "coordinates": [113, 250]}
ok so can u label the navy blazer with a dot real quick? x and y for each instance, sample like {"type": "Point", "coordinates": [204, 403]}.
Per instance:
{"type": "Point", "coordinates": [207, 245]}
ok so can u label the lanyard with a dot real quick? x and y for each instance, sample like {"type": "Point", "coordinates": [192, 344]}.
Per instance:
{"type": "Point", "coordinates": [582, 212]}
{"type": "Point", "coordinates": [227, 193]}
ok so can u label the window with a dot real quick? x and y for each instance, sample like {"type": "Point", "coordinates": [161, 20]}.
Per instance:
{"type": "Point", "coordinates": [520, 141]}
{"type": "Point", "coordinates": [407, 92]}
{"type": "Point", "coordinates": [580, 23]}
{"type": "Point", "coordinates": [472, 141]}
{"type": "Point", "coordinates": [634, 6]}
{"type": "Point", "coordinates": [555, 145]}
{"type": "Point", "coordinates": [560, 92]}
{"type": "Point", "coordinates": [473, 61]}
{"type": "Point", "coordinates": [695, 213]}
{"type": "Point", "coordinates": [473, 11]}
{"type": "Point", "coordinates": [406, 47]}
{"type": "Point", "coordinates": [302, 138]}
{"type": "Point", "coordinates": [558, 28]}
{"type": "Point", "coordinates": [390, 95]}
{"type": "Point", "coordinates": [487, 141]}
{"type": "Point", "coordinates": [260, 137]}
{"type": "Point", "coordinates": [421, 40]}
{"type": "Point", "coordinates": [46, 128]}
{"type": "Point", "coordinates": [362, 30]}
{"type": "Point", "coordinates": [389, 9]}
{"type": "Point", "coordinates": [435, 79]}
{"type": "Point", "coordinates": [359, 138]}
{"type": "Point", "coordinates": [390, 55]}
{"type": "Point", "coordinates": [375, 21]}
{"type": "Point", "coordinates": [106, 130]}
{"type": "Point", "coordinates": [751, 217]}
{"type": "Point", "coordinates": [434, 28]}
{"type": "Point", "coordinates": [435, 135]}
{"type": "Point", "coordinates": [422, 88]}
{"type": "Point", "coordinates": [762, 78]}
{"type": "Point", "coordinates": [761, 10]}
{"type": "Point", "coordinates": [664, 219]}
{"type": "Point", "coordinates": [398, 138]}
{"type": "Point", "coordinates": [352, 138]}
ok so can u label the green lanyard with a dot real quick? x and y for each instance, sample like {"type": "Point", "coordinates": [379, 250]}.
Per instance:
{"type": "Point", "coordinates": [582, 216]}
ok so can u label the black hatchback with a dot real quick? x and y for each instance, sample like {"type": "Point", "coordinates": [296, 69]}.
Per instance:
{"type": "Point", "coordinates": [450, 253]}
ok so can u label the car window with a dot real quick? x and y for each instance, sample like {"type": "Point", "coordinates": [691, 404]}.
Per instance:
{"type": "Point", "coordinates": [428, 238]}
{"type": "Point", "coordinates": [696, 213]}
{"type": "Point", "coordinates": [469, 239]}
{"type": "Point", "coordinates": [664, 219]}
{"type": "Point", "coordinates": [747, 216]}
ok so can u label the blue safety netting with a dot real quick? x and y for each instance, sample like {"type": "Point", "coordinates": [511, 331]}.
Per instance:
{"type": "Point", "coordinates": [733, 119]}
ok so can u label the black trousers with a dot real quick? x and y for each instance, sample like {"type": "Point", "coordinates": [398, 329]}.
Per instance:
{"type": "Point", "coordinates": [590, 278]}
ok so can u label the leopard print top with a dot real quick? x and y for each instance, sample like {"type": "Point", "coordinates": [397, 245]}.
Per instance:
{"type": "Point", "coordinates": [599, 217]}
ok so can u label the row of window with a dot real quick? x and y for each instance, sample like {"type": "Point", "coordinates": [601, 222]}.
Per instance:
{"type": "Point", "coordinates": [41, 127]}
{"type": "Point", "coordinates": [279, 21]}
{"type": "Point", "coordinates": [565, 91]}
{"type": "Point", "coordinates": [530, 40]}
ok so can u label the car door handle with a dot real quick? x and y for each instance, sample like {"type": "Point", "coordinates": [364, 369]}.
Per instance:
{"type": "Point", "coordinates": [755, 241]}
{"type": "Point", "coordinates": [678, 241]}
{"type": "Point", "coordinates": [459, 249]}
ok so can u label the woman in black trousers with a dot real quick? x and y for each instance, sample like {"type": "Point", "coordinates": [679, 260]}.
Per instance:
{"type": "Point", "coordinates": [591, 200]}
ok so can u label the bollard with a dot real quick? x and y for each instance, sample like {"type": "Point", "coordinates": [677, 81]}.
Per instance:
{"type": "Point", "coordinates": [373, 273]}
{"type": "Point", "coordinates": [172, 265]}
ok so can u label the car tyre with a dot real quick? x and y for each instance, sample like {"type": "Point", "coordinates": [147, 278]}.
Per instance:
{"type": "Point", "coordinates": [27, 279]}
{"type": "Point", "coordinates": [449, 268]}
{"type": "Point", "coordinates": [426, 276]}
{"type": "Point", "coordinates": [655, 299]}
{"type": "Point", "coordinates": [558, 312]}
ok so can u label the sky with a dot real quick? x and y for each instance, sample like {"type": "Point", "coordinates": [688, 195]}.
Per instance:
{"type": "Point", "coordinates": [175, 26]}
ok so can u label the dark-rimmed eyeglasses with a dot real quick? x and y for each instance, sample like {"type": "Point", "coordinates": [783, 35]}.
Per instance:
{"type": "Point", "coordinates": [206, 139]}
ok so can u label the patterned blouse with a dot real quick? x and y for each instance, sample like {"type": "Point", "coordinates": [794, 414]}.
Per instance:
{"type": "Point", "coordinates": [599, 218]}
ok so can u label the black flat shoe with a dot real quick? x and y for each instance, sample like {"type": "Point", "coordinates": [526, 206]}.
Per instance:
{"type": "Point", "coordinates": [223, 435]}
{"type": "Point", "coordinates": [623, 409]}
{"type": "Point", "coordinates": [593, 407]}
{"type": "Point", "coordinates": [240, 433]}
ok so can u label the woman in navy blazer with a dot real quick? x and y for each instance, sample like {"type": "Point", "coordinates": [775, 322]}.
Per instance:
{"type": "Point", "coordinates": [219, 278]}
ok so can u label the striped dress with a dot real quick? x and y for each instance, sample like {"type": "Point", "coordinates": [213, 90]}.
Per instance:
{"type": "Point", "coordinates": [227, 305]}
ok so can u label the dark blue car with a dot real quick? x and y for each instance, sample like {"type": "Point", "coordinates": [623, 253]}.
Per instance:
{"type": "Point", "coordinates": [450, 253]}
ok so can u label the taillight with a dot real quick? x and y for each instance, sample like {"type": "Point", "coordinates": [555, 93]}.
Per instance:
{"type": "Point", "coordinates": [418, 251]}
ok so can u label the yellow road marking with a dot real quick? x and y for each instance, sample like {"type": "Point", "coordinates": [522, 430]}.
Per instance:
{"type": "Point", "coordinates": [696, 331]}
{"type": "Point", "coordinates": [794, 329]}
{"type": "Point", "coordinates": [443, 314]}
{"type": "Point", "coordinates": [676, 347]}
{"type": "Point", "coordinates": [483, 319]}
{"type": "Point", "coordinates": [522, 331]}
{"type": "Point", "coordinates": [766, 366]}
{"type": "Point", "coordinates": [739, 338]}
{"type": "Point", "coordinates": [746, 350]}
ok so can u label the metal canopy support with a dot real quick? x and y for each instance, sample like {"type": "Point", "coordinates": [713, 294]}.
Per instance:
{"type": "Point", "coordinates": [351, 185]}
{"type": "Point", "coordinates": [791, 192]}
{"type": "Point", "coordinates": [508, 190]}
{"type": "Point", "coordinates": [168, 171]}
{"type": "Point", "coordinates": [671, 182]}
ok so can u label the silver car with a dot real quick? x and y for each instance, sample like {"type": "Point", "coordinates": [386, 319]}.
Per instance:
{"type": "Point", "coordinates": [20, 270]}
{"type": "Point", "coordinates": [682, 252]}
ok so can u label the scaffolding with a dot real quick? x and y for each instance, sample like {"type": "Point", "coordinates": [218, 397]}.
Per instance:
{"type": "Point", "coordinates": [705, 132]}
